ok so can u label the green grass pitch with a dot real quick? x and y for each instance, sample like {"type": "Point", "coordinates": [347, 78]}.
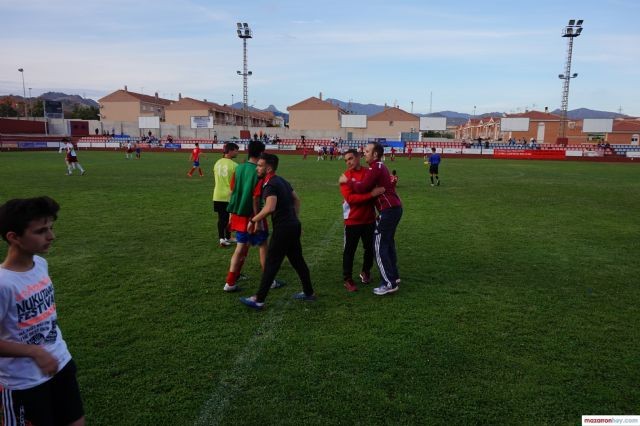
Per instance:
{"type": "Point", "coordinates": [519, 301]}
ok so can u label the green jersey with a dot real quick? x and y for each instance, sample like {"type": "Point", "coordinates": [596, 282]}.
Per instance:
{"type": "Point", "coordinates": [241, 202]}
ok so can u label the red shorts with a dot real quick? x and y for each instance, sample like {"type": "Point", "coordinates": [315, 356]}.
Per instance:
{"type": "Point", "coordinates": [239, 223]}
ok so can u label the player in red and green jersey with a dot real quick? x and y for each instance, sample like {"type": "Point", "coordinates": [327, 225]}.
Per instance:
{"type": "Point", "coordinates": [243, 205]}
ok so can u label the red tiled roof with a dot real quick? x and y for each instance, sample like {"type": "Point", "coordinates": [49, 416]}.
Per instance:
{"type": "Point", "coordinates": [125, 95]}
{"type": "Point", "coordinates": [191, 104]}
{"type": "Point", "coordinates": [313, 104]}
{"type": "Point", "coordinates": [536, 115]}
{"type": "Point", "coordinates": [393, 114]}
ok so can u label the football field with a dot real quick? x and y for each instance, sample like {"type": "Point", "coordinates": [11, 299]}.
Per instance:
{"type": "Point", "coordinates": [519, 302]}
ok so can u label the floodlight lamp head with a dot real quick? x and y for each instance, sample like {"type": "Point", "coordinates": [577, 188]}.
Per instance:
{"type": "Point", "coordinates": [246, 26]}
{"type": "Point", "coordinates": [239, 73]}
{"type": "Point", "coordinates": [580, 21]}
{"type": "Point", "coordinates": [251, 73]}
{"type": "Point", "coordinates": [559, 75]}
{"type": "Point", "coordinates": [575, 74]}
{"type": "Point", "coordinates": [21, 69]}
{"type": "Point", "coordinates": [569, 31]}
{"type": "Point", "coordinates": [572, 21]}
{"type": "Point", "coordinates": [239, 25]}
{"type": "Point", "coordinates": [578, 31]}
{"type": "Point", "coordinates": [239, 33]}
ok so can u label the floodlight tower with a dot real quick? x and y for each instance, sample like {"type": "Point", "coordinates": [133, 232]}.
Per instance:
{"type": "Point", "coordinates": [244, 32]}
{"type": "Point", "coordinates": [571, 31]}
{"type": "Point", "coordinates": [24, 92]}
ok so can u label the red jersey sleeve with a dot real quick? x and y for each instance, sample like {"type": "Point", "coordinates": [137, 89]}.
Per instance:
{"type": "Point", "coordinates": [369, 181]}
{"type": "Point", "coordinates": [353, 198]}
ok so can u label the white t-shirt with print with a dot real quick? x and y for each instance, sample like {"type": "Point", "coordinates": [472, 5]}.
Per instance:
{"type": "Point", "coordinates": [28, 315]}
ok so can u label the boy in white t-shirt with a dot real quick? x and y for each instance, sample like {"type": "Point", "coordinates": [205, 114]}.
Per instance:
{"type": "Point", "coordinates": [37, 375]}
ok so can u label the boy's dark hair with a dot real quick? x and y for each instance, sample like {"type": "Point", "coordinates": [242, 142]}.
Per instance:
{"type": "Point", "coordinates": [352, 151]}
{"type": "Point", "coordinates": [393, 172]}
{"type": "Point", "coordinates": [230, 146]}
{"type": "Point", "coordinates": [270, 160]}
{"type": "Point", "coordinates": [16, 214]}
{"type": "Point", "coordinates": [255, 149]}
{"type": "Point", "coordinates": [197, 144]}
{"type": "Point", "coordinates": [378, 148]}
{"type": "Point", "coordinates": [433, 150]}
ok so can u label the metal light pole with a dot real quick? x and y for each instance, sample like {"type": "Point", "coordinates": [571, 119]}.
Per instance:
{"type": "Point", "coordinates": [30, 107]}
{"type": "Point", "coordinates": [571, 31]}
{"type": "Point", "coordinates": [24, 92]}
{"type": "Point", "coordinates": [244, 32]}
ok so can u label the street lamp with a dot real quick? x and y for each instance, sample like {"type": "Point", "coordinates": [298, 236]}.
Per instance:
{"type": "Point", "coordinates": [571, 31]}
{"type": "Point", "coordinates": [244, 32]}
{"type": "Point", "coordinates": [24, 92]}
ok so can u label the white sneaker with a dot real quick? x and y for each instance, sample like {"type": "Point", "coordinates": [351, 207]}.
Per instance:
{"type": "Point", "coordinates": [231, 288]}
{"type": "Point", "coordinates": [224, 242]}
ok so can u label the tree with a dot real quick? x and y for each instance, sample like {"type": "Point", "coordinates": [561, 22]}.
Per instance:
{"type": "Point", "coordinates": [38, 108]}
{"type": "Point", "coordinates": [84, 112]}
{"type": "Point", "coordinates": [6, 110]}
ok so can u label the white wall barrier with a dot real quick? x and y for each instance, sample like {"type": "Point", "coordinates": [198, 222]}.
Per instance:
{"type": "Point", "coordinates": [573, 153]}
{"type": "Point", "coordinates": [450, 150]}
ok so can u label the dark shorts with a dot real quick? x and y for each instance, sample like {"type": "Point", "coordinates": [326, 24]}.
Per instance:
{"type": "Point", "coordinates": [433, 169]}
{"type": "Point", "coordinates": [196, 164]}
{"type": "Point", "coordinates": [71, 159]}
{"type": "Point", "coordinates": [254, 239]}
{"type": "Point", "coordinates": [54, 402]}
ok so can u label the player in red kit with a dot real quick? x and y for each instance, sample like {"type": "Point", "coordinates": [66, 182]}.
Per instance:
{"type": "Point", "coordinates": [390, 208]}
{"type": "Point", "coordinates": [195, 157]}
{"type": "Point", "coordinates": [359, 222]}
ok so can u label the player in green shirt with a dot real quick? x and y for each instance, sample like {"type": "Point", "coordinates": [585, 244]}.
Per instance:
{"type": "Point", "coordinates": [223, 172]}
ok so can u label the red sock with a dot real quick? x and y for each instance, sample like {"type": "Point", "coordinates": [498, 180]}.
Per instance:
{"type": "Point", "coordinates": [200, 171]}
{"type": "Point", "coordinates": [231, 278]}
{"type": "Point", "coordinates": [191, 171]}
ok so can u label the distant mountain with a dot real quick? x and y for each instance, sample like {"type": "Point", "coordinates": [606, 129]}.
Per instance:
{"type": "Point", "coordinates": [68, 101]}
{"type": "Point", "coordinates": [270, 108]}
{"type": "Point", "coordinates": [582, 113]}
{"type": "Point", "coordinates": [356, 108]}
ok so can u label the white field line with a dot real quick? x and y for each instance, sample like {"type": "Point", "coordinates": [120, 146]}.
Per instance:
{"type": "Point", "coordinates": [233, 379]}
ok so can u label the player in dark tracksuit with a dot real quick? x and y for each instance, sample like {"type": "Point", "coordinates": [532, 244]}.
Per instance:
{"type": "Point", "coordinates": [389, 207]}
{"type": "Point", "coordinates": [282, 203]}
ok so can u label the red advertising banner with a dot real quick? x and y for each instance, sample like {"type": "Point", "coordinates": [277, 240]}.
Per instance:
{"type": "Point", "coordinates": [530, 154]}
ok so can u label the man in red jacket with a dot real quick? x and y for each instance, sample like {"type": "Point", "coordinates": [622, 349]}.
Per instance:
{"type": "Point", "coordinates": [390, 208]}
{"type": "Point", "coordinates": [359, 222]}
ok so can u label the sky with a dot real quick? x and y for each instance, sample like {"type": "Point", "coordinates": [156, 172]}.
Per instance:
{"type": "Point", "coordinates": [464, 56]}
